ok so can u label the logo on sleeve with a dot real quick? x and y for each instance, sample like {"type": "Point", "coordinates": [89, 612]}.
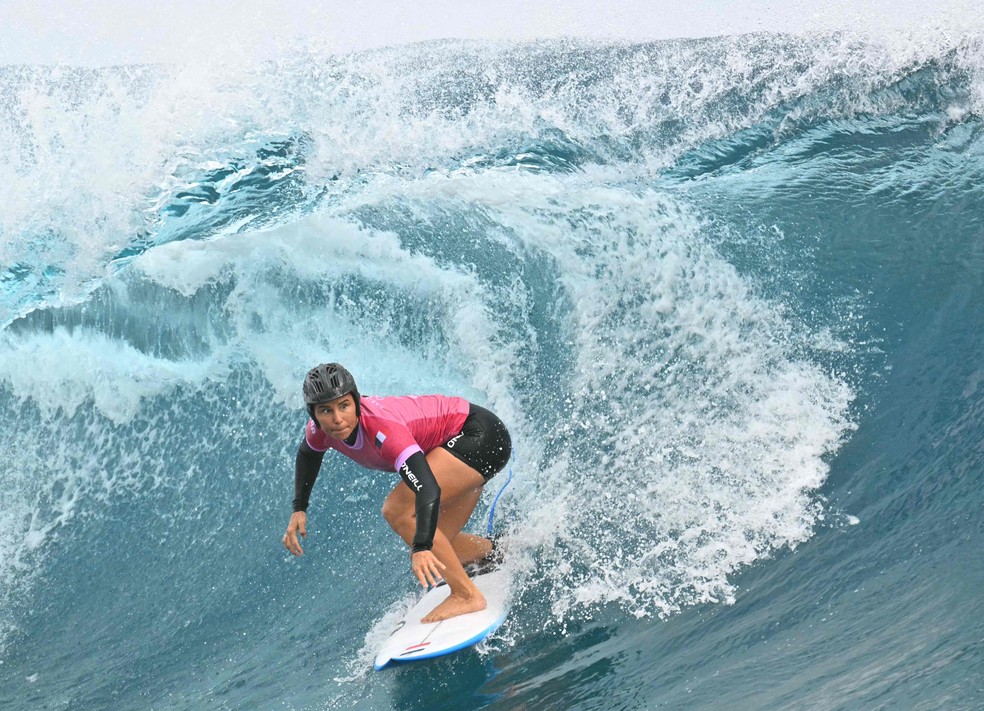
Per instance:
{"type": "Point", "coordinates": [380, 438]}
{"type": "Point", "coordinates": [410, 477]}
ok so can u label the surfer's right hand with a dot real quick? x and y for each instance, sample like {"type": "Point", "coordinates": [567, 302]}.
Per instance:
{"type": "Point", "coordinates": [298, 521]}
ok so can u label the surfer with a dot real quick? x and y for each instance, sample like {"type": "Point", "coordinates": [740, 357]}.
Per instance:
{"type": "Point", "coordinates": [444, 448]}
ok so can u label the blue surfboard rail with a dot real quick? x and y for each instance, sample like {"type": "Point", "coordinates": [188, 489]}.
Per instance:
{"type": "Point", "coordinates": [479, 636]}
{"type": "Point", "coordinates": [444, 652]}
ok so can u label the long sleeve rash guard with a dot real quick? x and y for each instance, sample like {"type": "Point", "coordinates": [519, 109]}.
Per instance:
{"type": "Point", "coordinates": [415, 473]}
{"type": "Point", "coordinates": [393, 434]}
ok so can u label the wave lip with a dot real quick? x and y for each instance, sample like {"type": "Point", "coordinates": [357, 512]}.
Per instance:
{"type": "Point", "coordinates": [685, 273]}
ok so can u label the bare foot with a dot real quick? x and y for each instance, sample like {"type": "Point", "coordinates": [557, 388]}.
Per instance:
{"type": "Point", "coordinates": [455, 605]}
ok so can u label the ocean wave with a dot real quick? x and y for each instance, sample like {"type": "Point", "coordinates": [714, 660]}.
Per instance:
{"type": "Point", "coordinates": [682, 272]}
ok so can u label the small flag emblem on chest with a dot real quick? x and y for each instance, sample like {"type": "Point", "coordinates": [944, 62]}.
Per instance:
{"type": "Point", "coordinates": [380, 438]}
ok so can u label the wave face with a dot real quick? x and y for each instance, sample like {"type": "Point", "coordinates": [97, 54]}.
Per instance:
{"type": "Point", "coordinates": [726, 294]}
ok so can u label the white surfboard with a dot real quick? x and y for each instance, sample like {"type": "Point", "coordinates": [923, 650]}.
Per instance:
{"type": "Point", "coordinates": [412, 640]}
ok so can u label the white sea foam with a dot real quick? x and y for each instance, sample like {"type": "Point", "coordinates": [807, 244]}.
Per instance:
{"type": "Point", "coordinates": [333, 252]}
{"type": "Point", "coordinates": [695, 436]}
{"type": "Point", "coordinates": [266, 31]}
{"type": "Point", "coordinates": [60, 370]}
{"type": "Point", "coordinates": [695, 432]}
{"type": "Point", "coordinates": [113, 147]}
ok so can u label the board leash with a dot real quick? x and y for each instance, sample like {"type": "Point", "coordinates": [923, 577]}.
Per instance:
{"type": "Point", "coordinates": [488, 530]}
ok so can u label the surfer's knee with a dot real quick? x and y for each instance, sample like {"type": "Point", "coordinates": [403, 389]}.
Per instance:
{"type": "Point", "coordinates": [398, 517]}
{"type": "Point", "coordinates": [390, 513]}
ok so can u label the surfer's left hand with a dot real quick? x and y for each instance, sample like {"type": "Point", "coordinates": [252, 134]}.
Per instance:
{"type": "Point", "coordinates": [427, 568]}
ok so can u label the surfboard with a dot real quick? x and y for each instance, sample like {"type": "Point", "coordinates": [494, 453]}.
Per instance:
{"type": "Point", "coordinates": [412, 640]}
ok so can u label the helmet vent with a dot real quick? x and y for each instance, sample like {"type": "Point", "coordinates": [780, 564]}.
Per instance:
{"type": "Point", "coordinates": [327, 382]}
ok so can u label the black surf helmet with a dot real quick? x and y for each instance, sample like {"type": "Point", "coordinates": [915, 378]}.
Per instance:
{"type": "Point", "coordinates": [328, 381]}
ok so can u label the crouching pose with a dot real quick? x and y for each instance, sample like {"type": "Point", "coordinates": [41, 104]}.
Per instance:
{"type": "Point", "coordinates": [445, 449]}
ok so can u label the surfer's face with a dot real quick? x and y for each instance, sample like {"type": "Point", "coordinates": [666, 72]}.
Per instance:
{"type": "Point", "coordinates": [337, 417]}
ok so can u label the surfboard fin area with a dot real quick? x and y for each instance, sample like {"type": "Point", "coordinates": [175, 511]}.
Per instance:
{"type": "Point", "coordinates": [413, 641]}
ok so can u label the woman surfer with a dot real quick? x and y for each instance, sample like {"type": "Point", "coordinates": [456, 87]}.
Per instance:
{"type": "Point", "coordinates": [444, 448]}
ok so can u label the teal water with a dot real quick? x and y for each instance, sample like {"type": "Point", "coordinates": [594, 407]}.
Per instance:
{"type": "Point", "coordinates": [726, 293]}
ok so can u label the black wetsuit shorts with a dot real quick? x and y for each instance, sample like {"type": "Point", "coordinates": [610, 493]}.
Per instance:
{"type": "Point", "coordinates": [483, 444]}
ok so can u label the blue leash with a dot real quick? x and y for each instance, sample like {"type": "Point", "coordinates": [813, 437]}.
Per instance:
{"type": "Point", "coordinates": [488, 530]}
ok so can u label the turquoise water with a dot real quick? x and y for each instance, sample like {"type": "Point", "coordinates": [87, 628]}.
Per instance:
{"type": "Point", "coordinates": [726, 293]}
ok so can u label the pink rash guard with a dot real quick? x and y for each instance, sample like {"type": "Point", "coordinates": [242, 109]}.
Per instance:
{"type": "Point", "coordinates": [391, 429]}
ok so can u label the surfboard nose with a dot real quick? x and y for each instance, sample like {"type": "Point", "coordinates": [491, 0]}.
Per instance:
{"type": "Point", "coordinates": [414, 640]}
